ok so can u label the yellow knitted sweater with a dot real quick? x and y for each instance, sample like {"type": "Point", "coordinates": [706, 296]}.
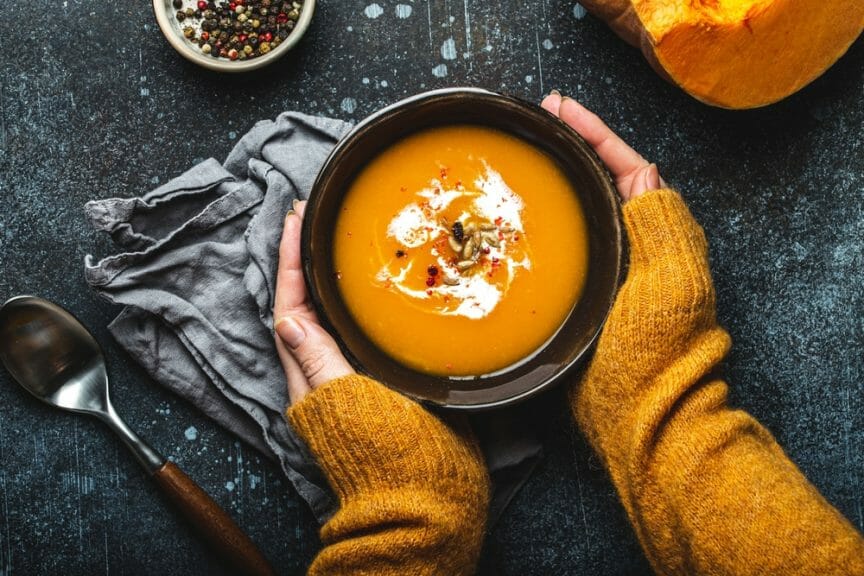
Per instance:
{"type": "Point", "coordinates": [707, 488]}
{"type": "Point", "coordinates": [413, 491]}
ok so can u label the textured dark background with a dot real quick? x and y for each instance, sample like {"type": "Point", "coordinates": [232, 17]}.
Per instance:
{"type": "Point", "coordinates": [94, 103]}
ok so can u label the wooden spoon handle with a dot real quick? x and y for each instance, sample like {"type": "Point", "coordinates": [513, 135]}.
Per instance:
{"type": "Point", "coordinates": [211, 522]}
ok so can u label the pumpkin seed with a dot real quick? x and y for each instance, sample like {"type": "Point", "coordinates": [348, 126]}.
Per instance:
{"type": "Point", "coordinates": [454, 244]}
{"type": "Point", "coordinates": [468, 249]}
{"type": "Point", "coordinates": [451, 281]}
{"type": "Point", "coordinates": [488, 227]}
{"type": "Point", "coordinates": [465, 265]}
{"type": "Point", "coordinates": [491, 239]}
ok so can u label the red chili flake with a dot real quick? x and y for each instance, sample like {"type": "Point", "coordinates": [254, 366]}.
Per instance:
{"type": "Point", "coordinates": [448, 366]}
{"type": "Point", "coordinates": [403, 189]}
{"type": "Point", "coordinates": [486, 250]}
{"type": "Point", "coordinates": [400, 253]}
{"type": "Point", "coordinates": [458, 183]}
{"type": "Point", "coordinates": [432, 271]}
{"type": "Point", "coordinates": [444, 173]}
{"type": "Point", "coordinates": [499, 220]}
{"type": "Point", "coordinates": [430, 281]}
{"type": "Point", "coordinates": [515, 238]}
{"type": "Point", "coordinates": [349, 234]}
{"type": "Point", "coordinates": [494, 260]}
{"type": "Point", "coordinates": [429, 292]}
{"type": "Point", "coordinates": [446, 298]}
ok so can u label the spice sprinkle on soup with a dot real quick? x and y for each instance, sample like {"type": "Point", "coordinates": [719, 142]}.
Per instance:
{"type": "Point", "coordinates": [461, 250]}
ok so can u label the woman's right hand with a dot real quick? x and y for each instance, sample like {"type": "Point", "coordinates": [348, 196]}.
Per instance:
{"type": "Point", "coordinates": [632, 173]}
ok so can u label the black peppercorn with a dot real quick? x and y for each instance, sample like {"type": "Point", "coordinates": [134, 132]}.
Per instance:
{"type": "Point", "coordinates": [238, 29]}
{"type": "Point", "coordinates": [458, 231]}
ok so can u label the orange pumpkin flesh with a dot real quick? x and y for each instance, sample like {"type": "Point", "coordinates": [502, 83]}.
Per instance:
{"type": "Point", "coordinates": [737, 53]}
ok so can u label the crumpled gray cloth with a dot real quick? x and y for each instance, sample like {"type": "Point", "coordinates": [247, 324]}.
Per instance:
{"type": "Point", "coordinates": [196, 273]}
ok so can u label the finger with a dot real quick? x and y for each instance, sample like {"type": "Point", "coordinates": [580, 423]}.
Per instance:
{"type": "Point", "coordinates": [620, 158]}
{"type": "Point", "coordinates": [298, 386]}
{"type": "Point", "coordinates": [314, 350]}
{"type": "Point", "coordinates": [552, 103]}
{"type": "Point", "coordinates": [648, 178]}
{"type": "Point", "coordinates": [300, 208]}
{"type": "Point", "coordinates": [290, 286]}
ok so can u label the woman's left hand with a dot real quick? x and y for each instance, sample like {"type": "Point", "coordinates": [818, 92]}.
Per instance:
{"type": "Point", "coordinates": [309, 355]}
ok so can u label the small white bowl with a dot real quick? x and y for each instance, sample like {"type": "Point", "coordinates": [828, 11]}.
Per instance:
{"type": "Point", "coordinates": [173, 32]}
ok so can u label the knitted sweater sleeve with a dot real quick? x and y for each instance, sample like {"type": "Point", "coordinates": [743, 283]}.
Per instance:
{"type": "Point", "coordinates": [706, 487]}
{"type": "Point", "coordinates": [413, 491]}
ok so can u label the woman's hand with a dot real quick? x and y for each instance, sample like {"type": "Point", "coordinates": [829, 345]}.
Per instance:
{"type": "Point", "coordinates": [309, 355]}
{"type": "Point", "coordinates": [632, 173]}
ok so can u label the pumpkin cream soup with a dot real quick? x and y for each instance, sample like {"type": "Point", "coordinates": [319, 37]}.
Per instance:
{"type": "Point", "coordinates": [460, 250]}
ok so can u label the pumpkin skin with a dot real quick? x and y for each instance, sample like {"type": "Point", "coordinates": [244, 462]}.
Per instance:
{"type": "Point", "coordinates": [736, 53]}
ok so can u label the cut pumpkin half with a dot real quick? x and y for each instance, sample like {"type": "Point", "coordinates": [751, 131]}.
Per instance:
{"type": "Point", "coordinates": [736, 53]}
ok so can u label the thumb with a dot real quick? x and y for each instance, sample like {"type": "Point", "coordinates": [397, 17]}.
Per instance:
{"type": "Point", "coordinates": [314, 350]}
{"type": "Point", "coordinates": [648, 178]}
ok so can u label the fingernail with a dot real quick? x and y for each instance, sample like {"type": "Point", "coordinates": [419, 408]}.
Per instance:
{"type": "Point", "coordinates": [290, 331]}
{"type": "Point", "coordinates": [294, 204]}
{"type": "Point", "coordinates": [652, 177]}
{"type": "Point", "coordinates": [554, 92]}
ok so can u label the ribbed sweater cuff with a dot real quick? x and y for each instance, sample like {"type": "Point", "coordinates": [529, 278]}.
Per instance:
{"type": "Point", "coordinates": [659, 226]}
{"type": "Point", "coordinates": [367, 437]}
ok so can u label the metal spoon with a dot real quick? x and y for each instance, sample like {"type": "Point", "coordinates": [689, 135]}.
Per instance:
{"type": "Point", "coordinates": [53, 356]}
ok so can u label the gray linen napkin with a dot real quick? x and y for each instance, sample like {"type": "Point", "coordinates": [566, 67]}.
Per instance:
{"type": "Point", "coordinates": [196, 274]}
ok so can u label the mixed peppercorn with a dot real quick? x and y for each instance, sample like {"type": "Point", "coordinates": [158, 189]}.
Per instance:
{"type": "Point", "coordinates": [239, 29]}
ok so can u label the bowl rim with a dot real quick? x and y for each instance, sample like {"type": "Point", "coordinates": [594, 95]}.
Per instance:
{"type": "Point", "coordinates": [357, 131]}
{"type": "Point", "coordinates": [184, 48]}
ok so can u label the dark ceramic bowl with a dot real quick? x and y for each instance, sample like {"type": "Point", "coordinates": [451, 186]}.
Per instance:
{"type": "Point", "coordinates": [534, 125]}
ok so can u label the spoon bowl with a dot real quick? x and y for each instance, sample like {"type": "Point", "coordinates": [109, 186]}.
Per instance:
{"type": "Point", "coordinates": [55, 358]}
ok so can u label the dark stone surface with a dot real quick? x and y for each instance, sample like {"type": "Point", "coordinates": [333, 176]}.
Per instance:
{"type": "Point", "coordinates": [94, 103]}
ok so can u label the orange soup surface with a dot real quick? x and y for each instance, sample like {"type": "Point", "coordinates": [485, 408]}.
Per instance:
{"type": "Point", "coordinates": [461, 250]}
